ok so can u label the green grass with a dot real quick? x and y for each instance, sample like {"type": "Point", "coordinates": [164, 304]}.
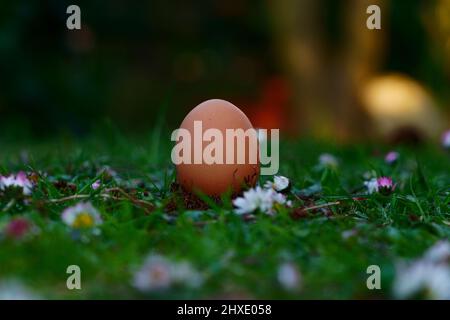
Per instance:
{"type": "Point", "coordinates": [239, 258]}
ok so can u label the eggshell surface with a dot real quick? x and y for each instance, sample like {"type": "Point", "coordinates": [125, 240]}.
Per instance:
{"type": "Point", "coordinates": [216, 178]}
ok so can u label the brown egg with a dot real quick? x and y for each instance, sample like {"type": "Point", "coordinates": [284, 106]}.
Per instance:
{"type": "Point", "coordinates": [225, 173]}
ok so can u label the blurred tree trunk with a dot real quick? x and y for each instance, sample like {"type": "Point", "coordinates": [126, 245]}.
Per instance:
{"type": "Point", "coordinates": [326, 77]}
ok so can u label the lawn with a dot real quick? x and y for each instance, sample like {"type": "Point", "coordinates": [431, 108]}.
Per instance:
{"type": "Point", "coordinates": [318, 248]}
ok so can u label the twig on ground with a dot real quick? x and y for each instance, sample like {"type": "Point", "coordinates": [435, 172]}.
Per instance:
{"type": "Point", "coordinates": [324, 205]}
{"type": "Point", "coordinates": [69, 198]}
{"type": "Point", "coordinates": [147, 206]}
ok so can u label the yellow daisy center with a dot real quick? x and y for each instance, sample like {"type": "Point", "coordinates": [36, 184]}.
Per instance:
{"type": "Point", "coordinates": [83, 220]}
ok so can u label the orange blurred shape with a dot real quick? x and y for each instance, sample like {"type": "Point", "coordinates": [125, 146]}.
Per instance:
{"type": "Point", "coordinates": [399, 104]}
{"type": "Point", "coordinates": [271, 111]}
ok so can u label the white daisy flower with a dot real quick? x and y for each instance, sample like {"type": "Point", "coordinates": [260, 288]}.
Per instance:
{"type": "Point", "coordinates": [20, 180]}
{"type": "Point", "coordinates": [383, 185]}
{"type": "Point", "coordinates": [184, 273]}
{"type": "Point", "coordinates": [249, 202]}
{"type": "Point", "coordinates": [423, 276]}
{"type": "Point", "coordinates": [279, 198]}
{"type": "Point", "coordinates": [439, 252]}
{"type": "Point", "coordinates": [289, 276]}
{"type": "Point", "coordinates": [429, 275]}
{"type": "Point", "coordinates": [266, 200]}
{"type": "Point", "coordinates": [81, 216]}
{"type": "Point", "coordinates": [153, 275]}
{"type": "Point", "coordinates": [372, 185]}
{"type": "Point", "coordinates": [259, 199]}
{"type": "Point", "coordinates": [15, 290]}
{"type": "Point", "coordinates": [159, 273]}
{"type": "Point", "coordinates": [328, 160]}
{"type": "Point", "coordinates": [279, 183]}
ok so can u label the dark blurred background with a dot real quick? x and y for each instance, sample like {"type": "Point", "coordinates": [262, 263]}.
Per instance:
{"type": "Point", "coordinates": [305, 66]}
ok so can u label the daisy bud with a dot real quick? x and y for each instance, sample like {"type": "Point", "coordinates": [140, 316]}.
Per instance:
{"type": "Point", "coordinates": [391, 157]}
{"type": "Point", "coordinates": [279, 183]}
{"type": "Point", "coordinates": [20, 181]}
{"type": "Point", "coordinates": [385, 185]}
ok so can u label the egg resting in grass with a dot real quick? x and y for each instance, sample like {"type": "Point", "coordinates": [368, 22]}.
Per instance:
{"type": "Point", "coordinates": [217, 178]}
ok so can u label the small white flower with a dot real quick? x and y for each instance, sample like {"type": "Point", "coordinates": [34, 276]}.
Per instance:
{"type": "Point", "coordinates": [82, 215]}
{"type": "Point", "coordinates": [328, 160]}
{"type": "Point", "coordinates": [429, 274]}
{"type": "Point", "coordinates": [249, 202]}
{"type": "Point", "coordinates": [425, 276]}
{"type": "Point", "coordinates": [372, 185]}
{"type": "Point", "coordinates": [438, 283]}
{"type": "Point", "coordinates": [446, 139]}
{"type": "Point", "coordinates": [278, 197]}
{"type": "Point", "coordinates": [439, 252]}
{"type": "Point", "coordinates": [159, 273]}
{"type": "Point", "coordinates": [279, 183]}
{"type": "Point", "coordinates": [289, 276]}
{"type": "Point", "coordinates": [15, 290]}
{"type": "Point", "coordinates": [266, 200]}
{"type": "Point", "coordinates": [184, 273]}
{"type": "Point", "coordinates": [259, 199]}
{"type": "Point", "coordinates": [383, 185]}
{"type": "Point", "coordinates": [153, 275]}
{"type": "Point", "coordinates": [20, 180]}
{"type": "Point", "coordinates": [96, 185]}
